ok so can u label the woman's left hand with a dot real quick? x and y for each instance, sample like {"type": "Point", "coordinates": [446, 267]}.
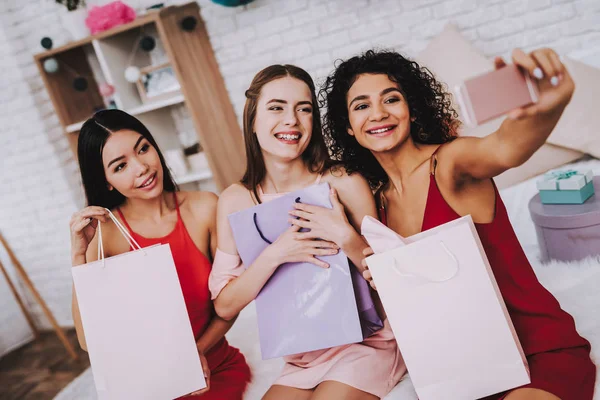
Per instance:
{"type": "Point", "coordinates": [324, 223]}
{"type": "Point", "coordinates": [206, 375]}
{"type": "Point", "coordinates": [554, 81]}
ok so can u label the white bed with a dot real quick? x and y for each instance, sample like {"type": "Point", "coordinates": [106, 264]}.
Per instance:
{"type": "Point", "coordinates": [574, 284]}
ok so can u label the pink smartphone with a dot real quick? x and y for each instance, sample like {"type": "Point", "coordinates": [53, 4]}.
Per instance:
{"type": "Point", "coordinates": [495, 93]}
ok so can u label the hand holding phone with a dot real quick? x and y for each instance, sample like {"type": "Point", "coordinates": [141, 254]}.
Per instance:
{"type": "Point", "coordinates": [495, 93]}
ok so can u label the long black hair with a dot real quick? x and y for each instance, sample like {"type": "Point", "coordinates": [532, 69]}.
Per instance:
{"type": "Point", "coordinates": [429, 103]}
{"type": "Point", "coordinates": [92, 137]}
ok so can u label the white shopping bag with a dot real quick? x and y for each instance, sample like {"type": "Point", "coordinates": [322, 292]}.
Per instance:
{"type": "Point", "coordinates": [446, 311]}
{"type": "Point", "coordinates": [138, 333]}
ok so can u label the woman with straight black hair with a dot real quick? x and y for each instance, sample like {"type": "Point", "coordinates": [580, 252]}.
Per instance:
{"type": "Point", "coordinates": [123, 170]}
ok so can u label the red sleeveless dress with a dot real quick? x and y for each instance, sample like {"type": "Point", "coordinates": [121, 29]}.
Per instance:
{"type": "Point", "coordinates": [229, 372]}
{"type": "Point", "coordinates": [558, 357]}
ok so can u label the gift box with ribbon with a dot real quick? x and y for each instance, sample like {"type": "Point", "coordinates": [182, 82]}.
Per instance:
{"type": "Point", "coordinates": [566, 187]}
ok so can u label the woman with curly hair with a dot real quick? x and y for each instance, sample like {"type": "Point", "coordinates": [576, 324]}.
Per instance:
{"type": "Point", "coordinates": [390, 120]}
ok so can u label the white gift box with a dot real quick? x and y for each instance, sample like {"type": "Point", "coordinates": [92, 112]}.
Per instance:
{"type": "Point", "coordinates": [565, 180]}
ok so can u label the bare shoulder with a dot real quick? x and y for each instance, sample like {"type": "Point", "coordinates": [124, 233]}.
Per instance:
{"type": "Point", "coordinates": [235, 198]}
{"type": "Point", "coordinates": [449, 152]}
{"type": "Point", "coordinates": [346, 183]}
{"type": "Point", "coordinates": [353, 192]}
{"type": "Point", "coordinates": [199, 203]}
{"type": "Point", "coordinates": [457, 145]}
{"type": "Point", "coordinates": [198, 198]}
{"type": "Point", "coordinates": [448, 157]}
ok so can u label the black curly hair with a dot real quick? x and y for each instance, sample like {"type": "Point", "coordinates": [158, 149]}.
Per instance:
{"type": "Point", "coordinates": [429, 103]}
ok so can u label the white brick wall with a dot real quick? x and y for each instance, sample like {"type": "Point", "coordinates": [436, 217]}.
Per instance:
{"type": "Point", "coordinates": [338, 29]}
{"type": "Point", "coordinates": [39, 185]}
{"type": "Point", "coordinates": [36, 193]}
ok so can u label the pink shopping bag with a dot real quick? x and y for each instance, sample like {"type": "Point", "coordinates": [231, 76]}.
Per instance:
{"type": "Point", "coordinates": [137, 329]}
{"type": "Point", "coordinates": [446, 311]}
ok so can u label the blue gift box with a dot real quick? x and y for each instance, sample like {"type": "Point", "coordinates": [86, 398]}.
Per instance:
{"type": "Point", "coordinates": [566, 187]}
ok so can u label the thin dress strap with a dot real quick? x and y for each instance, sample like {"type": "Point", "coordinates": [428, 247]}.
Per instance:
{"type": "Point", "coordinates": [380, 202]}
{"type": "Point", "coordinates": [318, 178]}
{"type": "Point", "coordinates": [434, 161]}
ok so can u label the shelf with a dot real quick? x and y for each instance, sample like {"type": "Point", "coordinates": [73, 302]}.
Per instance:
{"type": "Point", "coordinates": [156, 105]}
{"type": "Point", "coordinates": [144, 108]}
{"type": "Point", "coordinates": [193, 177]}
{"type": "Point", "coordinates": [139, 21]}
{"type": "Point", "coordinates": [103, 58]}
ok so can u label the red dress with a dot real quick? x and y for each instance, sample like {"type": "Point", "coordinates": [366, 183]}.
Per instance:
{"type": "Point", "coordinates": [229, 372]}
{"type": "Point", "coordinates": [559, 359]}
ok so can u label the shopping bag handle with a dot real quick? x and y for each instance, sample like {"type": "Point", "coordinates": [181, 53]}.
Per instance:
{"type": "Point", "coordinates": [124, 232]}
{"type": "Point", "coordinates": [262, 236]}
{"type": "Point", "coordinates": [430, 277]}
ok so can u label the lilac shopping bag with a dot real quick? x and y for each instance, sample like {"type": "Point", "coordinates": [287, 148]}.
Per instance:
{"type": "Point", "coordinates": [303, 307]}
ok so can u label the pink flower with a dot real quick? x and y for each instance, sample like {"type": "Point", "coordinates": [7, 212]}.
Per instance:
{"type": "Point", "coordinates": [108, 16]}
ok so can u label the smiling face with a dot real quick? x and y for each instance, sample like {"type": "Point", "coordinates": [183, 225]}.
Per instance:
{"type": "Point", "coordinates": [284, 118]}
{"type": "Point", "coordinates": [378, 113]}
{"type": "Point", "coordinates": [132, 165]}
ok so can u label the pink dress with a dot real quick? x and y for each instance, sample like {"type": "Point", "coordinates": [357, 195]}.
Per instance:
{"type": "Point", "coordinates": [374, 366]}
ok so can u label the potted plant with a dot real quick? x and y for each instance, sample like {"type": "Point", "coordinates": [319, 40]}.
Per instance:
{"type": "Point", "coordinates": [74, 19]}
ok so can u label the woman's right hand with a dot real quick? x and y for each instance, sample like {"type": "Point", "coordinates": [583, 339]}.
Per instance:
{"type": "Point", "coordinates": [83, 228]}
{"type": "Point", "coordinates": [291, 246]}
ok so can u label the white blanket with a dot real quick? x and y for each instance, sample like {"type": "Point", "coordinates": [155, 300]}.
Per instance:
{"type": "Point", "coordinates": [575, 285]}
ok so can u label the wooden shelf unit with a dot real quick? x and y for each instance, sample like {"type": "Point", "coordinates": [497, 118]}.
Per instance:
{"type": "Point", "coordinates": [202, 88]}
